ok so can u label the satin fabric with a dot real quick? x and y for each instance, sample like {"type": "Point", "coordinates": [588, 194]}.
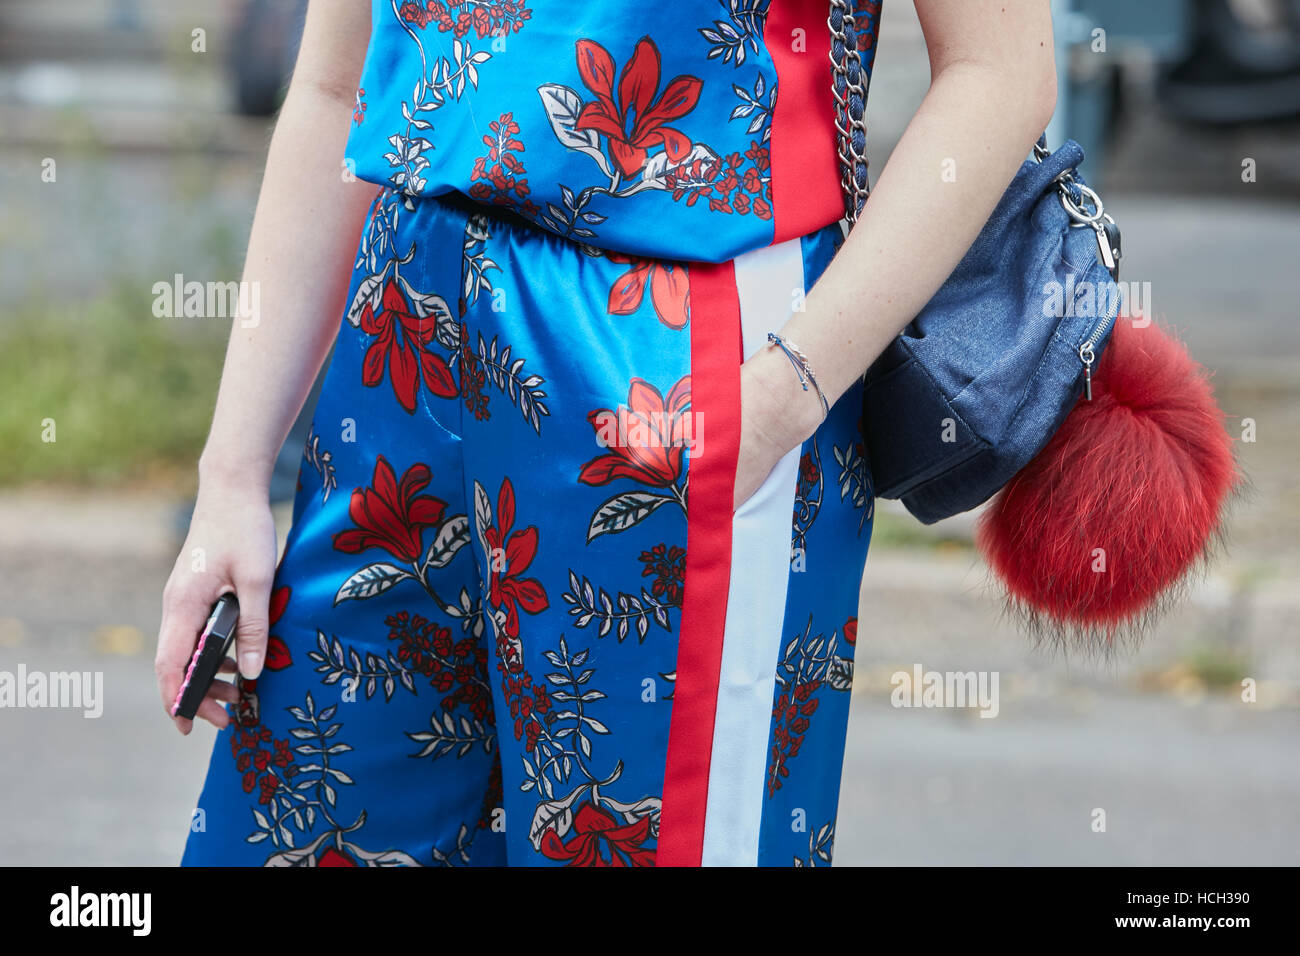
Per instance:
{"type": "Point", "coordinates": [694, 130]}
{"type": "Point", "coordinates": [515, 621]}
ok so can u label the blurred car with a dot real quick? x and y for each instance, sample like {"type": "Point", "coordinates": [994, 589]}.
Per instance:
{"type": "Point", "coordinates": [1243, 65]}
{"type": "Point", "coordinates": [265, 36]}
{"type": "Point", "coordinates": [1219, 61]}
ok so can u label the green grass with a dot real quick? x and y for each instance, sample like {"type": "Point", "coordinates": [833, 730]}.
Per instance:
{"type": "Point", "coordinates": [893, 531]}
{"type": "Point", "coordinates": [1218, 666]}
{"type": "Point", "coordinates": [130, 394]}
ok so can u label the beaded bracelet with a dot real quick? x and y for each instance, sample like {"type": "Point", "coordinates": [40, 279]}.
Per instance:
{"type": "Point", "coordinates": [801, 367]}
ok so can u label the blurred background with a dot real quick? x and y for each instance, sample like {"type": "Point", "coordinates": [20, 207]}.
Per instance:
{"type": "Point", "coordinates": [131, 149]}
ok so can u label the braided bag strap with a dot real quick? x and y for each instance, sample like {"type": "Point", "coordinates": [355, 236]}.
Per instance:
{"type": "Point", "coordinates": [849, 83]}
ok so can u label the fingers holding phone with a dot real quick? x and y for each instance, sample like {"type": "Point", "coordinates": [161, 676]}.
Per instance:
{"type": "Point", "coordinates": [209, 654]}
{"type": "Point", "coordinates": [187, 667]}
{"type": "Point", "coordinates": [230, 550]}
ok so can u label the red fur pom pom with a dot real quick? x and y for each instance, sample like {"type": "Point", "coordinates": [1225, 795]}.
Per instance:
{"type": "Point", "coordinates": [1125, 500]}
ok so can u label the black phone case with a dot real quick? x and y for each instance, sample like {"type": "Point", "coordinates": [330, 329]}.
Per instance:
{"type": "Point", "coordinates": [211, 650]}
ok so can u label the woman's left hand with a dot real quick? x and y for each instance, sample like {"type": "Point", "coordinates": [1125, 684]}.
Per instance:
{"type": "Point", "coordinates": [776, 415]}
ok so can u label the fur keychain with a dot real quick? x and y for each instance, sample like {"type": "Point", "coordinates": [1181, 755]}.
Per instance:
{"type": "Point", "coordinates": [1094, 537]}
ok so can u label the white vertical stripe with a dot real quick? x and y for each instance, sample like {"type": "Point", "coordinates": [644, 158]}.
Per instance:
{"type": "Point", "coordinates": [766, 281]}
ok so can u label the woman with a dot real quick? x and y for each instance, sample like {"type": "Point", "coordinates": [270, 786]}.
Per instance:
{"type": "Point", "coordinates": [502, 632]}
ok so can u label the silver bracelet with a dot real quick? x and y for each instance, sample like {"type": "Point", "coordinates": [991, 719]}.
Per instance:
{"type": "Point", "coordinates": [801, 367]}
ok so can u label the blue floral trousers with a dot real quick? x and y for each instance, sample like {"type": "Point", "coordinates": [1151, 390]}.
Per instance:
{"type": "Point", "coordinates": [517, 621]}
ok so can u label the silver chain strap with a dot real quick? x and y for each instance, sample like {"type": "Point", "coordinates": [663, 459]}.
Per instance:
{"type": "Point", "coordinates": [849, 87]}
{"type": "Point", "coordinates": [849, 84]}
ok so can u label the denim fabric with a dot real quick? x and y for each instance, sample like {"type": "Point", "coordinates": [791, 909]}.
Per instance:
{"type": "Point", "coordinates": [985, 374]}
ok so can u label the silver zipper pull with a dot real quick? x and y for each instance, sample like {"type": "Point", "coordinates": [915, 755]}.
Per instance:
{"type": "Point", "coordinates": [1087, 357]}
{"type": "Point", "coordinates": [1114, 241]}
{"type": "Point", "coordinates": [1103, 245]}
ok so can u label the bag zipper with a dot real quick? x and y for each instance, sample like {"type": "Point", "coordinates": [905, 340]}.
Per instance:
{"type": "Point", "coordinates": [1109, 254]}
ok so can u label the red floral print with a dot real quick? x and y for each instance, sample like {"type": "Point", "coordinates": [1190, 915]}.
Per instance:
{"type": "Point", "coordinates": [458, 670]}
{"type": "Point", "coordinates": [391, 516]}
{"type": "Point", "coordinates": [530, 705]}
{"type": "Point", "coordinates": [808, 470]}
{"type": "Point", "coordinates": [851, 631]}
{"type": "Point", "coordinates": [700, 177]}
{"type": "Point", "coordinates": [594, 830]}
{"type": "Point", "coordinates": [793, 716]}
{"type": "Point", "coordinates": [636, 100]}
{"type": "Point", "coordinates": [807, 495]}
{"type": "Point", "coordinates": [400, 347]}
{"type": "Point", "coordinates": [263, 768]}
{"type": "Point", "coordinates": [484, 17]}
{"type": "Point", "coordinates": [646, 436]}
{"type": "Point", "coordinates": [277, 652]}
{"type": "Point", "coordinates": [723, 183]}
{"type": "Point", "coordinates": [419, 16]}
{"type": "Point", "coordinates": [670, 290]}
{"type": "Point", "coordinates": [508, 588]}
{"type": "Point", "coordinates": [668, 566]}
{"type": "Point", "coordinates": [333, 856]}
{"type": "Point", "coordinates": [497, 177]}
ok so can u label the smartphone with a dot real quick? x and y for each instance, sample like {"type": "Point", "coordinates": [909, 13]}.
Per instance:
{"type": "Point", "coordinates": [211, 649]}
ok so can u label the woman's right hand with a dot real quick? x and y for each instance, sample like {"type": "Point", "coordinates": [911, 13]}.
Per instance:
{"type": "Point", "coordinates": [230, 547]}
{"type": "Point", "coordinates": [300, 266]}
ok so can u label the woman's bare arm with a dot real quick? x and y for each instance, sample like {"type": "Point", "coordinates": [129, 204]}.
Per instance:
{"type": "Point", "coordinates": [304, 235]}
{"type": "Point", "coordinates": [992, 92]}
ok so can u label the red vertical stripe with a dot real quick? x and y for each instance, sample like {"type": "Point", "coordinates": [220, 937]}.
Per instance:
{"type": "Point", "coordinates": [806, 192]}
{"type": "Point", "coordinates": [715, 403]}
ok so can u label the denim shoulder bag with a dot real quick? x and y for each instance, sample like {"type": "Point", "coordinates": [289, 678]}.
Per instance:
{"type": "Point", "coordinates": [981, 379]}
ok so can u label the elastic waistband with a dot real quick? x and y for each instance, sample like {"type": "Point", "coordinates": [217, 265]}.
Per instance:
{"type": "Point", "coordinates": [506, 218]}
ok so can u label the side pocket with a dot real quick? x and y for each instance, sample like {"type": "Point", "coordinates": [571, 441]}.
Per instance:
{"type": "Point", "coordinates": [912, 432]}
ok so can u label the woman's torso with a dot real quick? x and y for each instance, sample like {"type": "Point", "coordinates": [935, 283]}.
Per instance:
{"type": "Point", "coordinates": [694, 130]}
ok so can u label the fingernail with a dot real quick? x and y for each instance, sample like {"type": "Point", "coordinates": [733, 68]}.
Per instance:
{"type": "Point", "coordinates": [250, 665]}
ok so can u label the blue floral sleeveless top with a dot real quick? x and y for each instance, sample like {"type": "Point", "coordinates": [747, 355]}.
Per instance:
{"type": "Point", "coordinates": [696, 130]}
